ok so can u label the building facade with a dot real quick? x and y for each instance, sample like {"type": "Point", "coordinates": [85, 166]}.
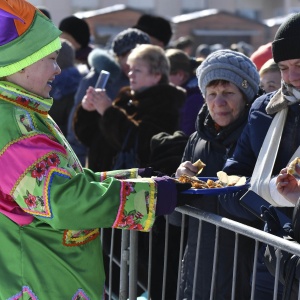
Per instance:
{"type": "Point", "coordinates": [256, 9]}
{"type": "Point", "coordinates": [206, 21]}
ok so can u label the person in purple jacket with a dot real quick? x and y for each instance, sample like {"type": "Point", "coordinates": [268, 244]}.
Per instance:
{"type": "Point", "coordinates": [182, 73]}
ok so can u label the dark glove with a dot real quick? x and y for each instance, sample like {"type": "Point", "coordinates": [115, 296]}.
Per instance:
{"type": "Point", "coordinates": [168, 190]}
{"type": "Point", "coordinates": [181, 187]}
{"type": "Point", "coordinates": [288, 229]}
{"type": "Point", "coordinates": [145, 172]}
{"type": "Point", "coordinates": [272, 223]}
{"type": "Point", "coordinates": [148, 172]}
{"type": "Point", "coordinates": [183, 199]}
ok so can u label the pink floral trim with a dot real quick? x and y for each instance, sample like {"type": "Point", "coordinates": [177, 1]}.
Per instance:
{"type": "Point", "coordinates": [80, 295]}
{"type": "Point", "coordinates": [123, 195]}
{"type": "Point", "coordinates": [25, 290]}
{"type": "Point", "coordinates": [132, 219]}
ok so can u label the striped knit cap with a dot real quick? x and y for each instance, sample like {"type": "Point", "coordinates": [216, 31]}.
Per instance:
{"type": "Point", "coordinates": [26, 36]}
{"type": "Point", "coordinates": [232, 66]}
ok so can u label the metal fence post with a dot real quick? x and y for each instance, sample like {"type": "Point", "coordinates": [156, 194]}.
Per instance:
{"type": "Point", "coordinates": [133, 262]}
{"type": "Point", "coordinates": [123, 291]}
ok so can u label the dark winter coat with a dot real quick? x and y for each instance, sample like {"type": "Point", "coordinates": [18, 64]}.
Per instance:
{"type": "Point", "coordinates": [148, 112]}
{"type": "Point", "coordinates": [116, 80]}
{"type": "Point", "coordinates": [191, 107]}
{"type": "Point", "coordinates": [153, 110]}
{"type": "Point", "coordinates": [290, 273]}
{"type": "Point", "coordinates": [289, 263]}
{"type": "Point", "coordinates": [244, 158]}
{"type": "Point", "coordinates": [166, 151]}
{"type": "Point", "coordinates": [63, 91]}
{"type": "Point", "coordinates": [213, 148]}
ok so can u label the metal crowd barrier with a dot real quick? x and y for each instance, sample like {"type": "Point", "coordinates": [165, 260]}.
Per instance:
{"type": "Point", "coordinates": [128, 263]}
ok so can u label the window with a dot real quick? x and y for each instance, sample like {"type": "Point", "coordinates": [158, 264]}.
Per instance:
{"type": "Point", "coordinates": [249, 13]}
{"type": "Point", "coordinates": [143, 5]}
{"type": "Point", "coordinates": [91, 4]}
{"type": "Point", "coordinates": [193, 5]}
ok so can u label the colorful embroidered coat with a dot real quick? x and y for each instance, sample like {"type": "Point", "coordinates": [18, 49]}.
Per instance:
{"type": "Point", "coordinates": [51, 207]}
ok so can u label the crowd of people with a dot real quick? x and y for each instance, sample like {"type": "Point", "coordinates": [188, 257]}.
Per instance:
{"type": "Point", "coordinates": [81, 158]}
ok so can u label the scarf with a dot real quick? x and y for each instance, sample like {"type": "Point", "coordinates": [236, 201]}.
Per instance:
{"type": "Point", "coordinates": [11, 92]}
{"type": "Point", "coordinates": [287, 95]}
{"type": "Point", "coordinates": [290, 93]}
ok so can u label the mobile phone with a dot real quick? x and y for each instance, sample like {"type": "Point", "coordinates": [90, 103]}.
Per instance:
{"type": "Point", "coordinates": [102, 79]}
{"type": "Point", "coordinates": [253, 202]}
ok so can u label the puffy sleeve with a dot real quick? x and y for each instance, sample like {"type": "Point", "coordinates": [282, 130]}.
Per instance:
{"type": "Point", "coordinates": [43, 179]}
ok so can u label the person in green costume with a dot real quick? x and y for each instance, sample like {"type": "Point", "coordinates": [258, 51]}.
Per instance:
{"type": "Point", "coordinates": [51, 208]}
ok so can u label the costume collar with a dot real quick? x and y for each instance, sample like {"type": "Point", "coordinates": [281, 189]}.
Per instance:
{"type": "Point", "coordinates": [13, 93]}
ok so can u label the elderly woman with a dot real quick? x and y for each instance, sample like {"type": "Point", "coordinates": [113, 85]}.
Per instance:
{"type": "Point", "coordinates": [148, 106]}
{"type": "Point", "coordinates": [229, 83]}
{"type": "Point", "coordinates": [51, 208]}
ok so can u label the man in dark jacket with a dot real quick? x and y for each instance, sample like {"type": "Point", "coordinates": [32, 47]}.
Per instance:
{"type": "Point", "coordinates": [286, 54]}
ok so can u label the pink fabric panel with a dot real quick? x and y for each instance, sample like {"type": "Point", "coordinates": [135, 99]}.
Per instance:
{"type": "Point", "coordinates": [11, 209]}
{"type": "Point", "coordinates": [13, 162]}
{"type": "Point", "coordinates": [22, 154]}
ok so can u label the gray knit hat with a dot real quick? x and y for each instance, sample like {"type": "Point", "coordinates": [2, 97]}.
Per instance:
{"type": "Point", "coordinates": [128, 39]}
{"type": "Point", "coordinates": [231, 66]}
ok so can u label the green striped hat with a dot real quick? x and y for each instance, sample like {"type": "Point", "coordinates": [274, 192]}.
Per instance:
{"type": "Point", "coordinates": [26, 36]}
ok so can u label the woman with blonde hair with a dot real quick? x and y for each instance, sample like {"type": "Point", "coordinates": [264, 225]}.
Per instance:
{"type": "Point", "coordinates": [270, 76]}
{"type": "Point", "coordinates": [149, 105]}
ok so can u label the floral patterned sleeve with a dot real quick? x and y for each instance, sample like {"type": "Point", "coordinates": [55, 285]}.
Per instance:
{"type": "Point", "coordinates": [47, 182]}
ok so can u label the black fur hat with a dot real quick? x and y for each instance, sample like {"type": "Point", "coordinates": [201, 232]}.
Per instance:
{"type": "Point", "coordinates": [155, 26]}
{"type": "Point", "coordinates": [77, 28]}
{"type": "Point", "coordinates": [286, 44]}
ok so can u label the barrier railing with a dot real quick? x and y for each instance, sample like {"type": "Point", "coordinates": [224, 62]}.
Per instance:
{"type": "Point", "coordinates": [129, 281]}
